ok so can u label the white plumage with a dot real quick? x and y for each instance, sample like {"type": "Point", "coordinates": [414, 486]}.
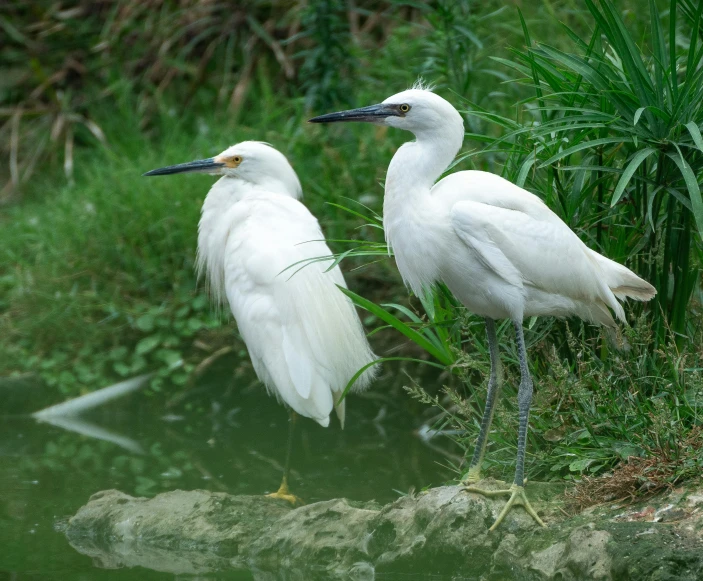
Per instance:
{"type": "Point", "coordinates": [303, 334]}
{"type": "Point", "coordinates": [499, 249]}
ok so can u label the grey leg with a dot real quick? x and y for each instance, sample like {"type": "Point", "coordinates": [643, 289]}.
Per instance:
{"type": "Point", "coordinates": [494, 384]}
{"type": "Point", "coordinates": [524, 396]}
{"type": "Point", "coordinates": [524, 399]}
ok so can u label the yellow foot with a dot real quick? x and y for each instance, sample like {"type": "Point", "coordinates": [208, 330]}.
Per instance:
{"type": "Point", "coordinates": [517, 498]}
{"type": "Point", "coordinates": [284, 494]}
{"type": "Point", "coordinates": [472, 476]}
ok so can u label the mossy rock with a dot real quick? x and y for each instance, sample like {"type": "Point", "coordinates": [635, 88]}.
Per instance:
{"type": "Point", "coordinates": [442, 531]}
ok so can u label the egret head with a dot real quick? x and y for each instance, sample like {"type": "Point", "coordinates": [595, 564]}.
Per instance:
{"type": "Point", "coordinates": [417, 110]}
{"type": "Point", "coordinates": [254, 162]}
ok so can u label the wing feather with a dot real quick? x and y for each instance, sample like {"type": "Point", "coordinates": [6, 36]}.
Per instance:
{"type": "Point", "coordinates": [302, 332]}
{"type": "Point", "coordinates": [543, 254]}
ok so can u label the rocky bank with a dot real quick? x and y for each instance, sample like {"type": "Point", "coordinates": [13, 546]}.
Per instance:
{"type": "Point", "coordinates": [443, 531]}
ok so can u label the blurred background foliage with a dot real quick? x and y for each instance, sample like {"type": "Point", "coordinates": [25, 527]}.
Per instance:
{"type": "Point", "coordinates": [596, 108]}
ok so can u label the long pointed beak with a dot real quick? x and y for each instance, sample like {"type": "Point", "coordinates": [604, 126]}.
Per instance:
{"type": "Point", "coordinates": [208, 165]}
{"type": "Point", "coordinates": [371, 114]}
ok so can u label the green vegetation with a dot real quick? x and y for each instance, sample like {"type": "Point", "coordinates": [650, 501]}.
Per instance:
{"type": "Point", "coordinates": [615, 132]}
{"type": "Point", "coordinates": [604, 122]}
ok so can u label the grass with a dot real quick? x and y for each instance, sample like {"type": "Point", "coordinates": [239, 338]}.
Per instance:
{"type": "Point", "coordinates": [588, 414]}
{"type": "Point", "coordinates": [96, 279]}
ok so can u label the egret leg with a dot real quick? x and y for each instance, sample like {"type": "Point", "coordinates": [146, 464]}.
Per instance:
{"type": "Point", "coordinates": [494, 385]}
{"type": "Point", "coordinates": [517, 491]}
{"type": "Point", "coordinates": [283, 491]}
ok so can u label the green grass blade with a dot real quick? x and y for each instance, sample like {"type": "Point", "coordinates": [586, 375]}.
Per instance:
{"type": "Point", "coordinates": [694, 190]}
{"type": "Point", "coordinates": [426, 329]}
{"type": "Point", "coordinates": [399, 326]}
{"type": "Point", "coordinates": [672, 50]}
{"type": "Point", "coordinates": [405, 310]}
{"type": "Point", "coordinates": [636, 161]}
{"type": "Point", "coordinates": [581, 146]}
{"type": "Point", "coordinates": [691, 63]}
{"type": "Point", "coordinates": [659, 52]}
{"type": "Point", "coordinates": [526, 167]}
{"type": "Point", "coordinates": [379, 361]}
{"type": "Point", "coordinates": [535, 77]}
{"type": "Point", "coordinates": [352, 212]}
{"type": "Point", "coordinates": [695, 134]}
{"type": "Point", "coordinates": [638, 114]}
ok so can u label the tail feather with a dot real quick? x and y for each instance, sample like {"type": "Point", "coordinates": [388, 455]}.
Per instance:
{"type": "Point", "coordinates": [622, 282]}
{"type": "Point", "coordinates": [636, 293]}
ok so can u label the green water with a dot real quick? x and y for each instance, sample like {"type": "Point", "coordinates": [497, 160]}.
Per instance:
{"type": "Point", "coordinates": [227, 439]}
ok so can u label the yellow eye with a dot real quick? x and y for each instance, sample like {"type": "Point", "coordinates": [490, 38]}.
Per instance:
{"type": "Point", "coordinates": [404, 108]}
{"type": "Point", "coordinates": [231, 161]}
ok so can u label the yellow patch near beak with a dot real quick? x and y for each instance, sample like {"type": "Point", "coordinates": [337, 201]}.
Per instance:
{"type": "Point", "coordinates": [231, 161]}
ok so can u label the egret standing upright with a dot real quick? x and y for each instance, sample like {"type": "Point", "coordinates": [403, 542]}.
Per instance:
{"type": "Point", "coordinates": [499, 249]}
{"type": "Point", "coordinates": [303, 334]}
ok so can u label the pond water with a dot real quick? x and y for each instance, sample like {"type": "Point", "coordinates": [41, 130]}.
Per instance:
{"type": "Point", "coordinates": [229, 439]}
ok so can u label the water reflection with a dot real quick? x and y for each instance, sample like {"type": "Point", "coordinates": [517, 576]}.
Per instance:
{"type": "Point", "coordinates": [87, 428]}
{"type": "Point", "coordinates": [229, 440]}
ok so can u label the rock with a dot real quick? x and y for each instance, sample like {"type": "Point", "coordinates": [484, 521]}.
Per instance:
{"type": "Point", "coordinates": [441, 531]}
{"type": "Point", "coordinates": [178, 532]}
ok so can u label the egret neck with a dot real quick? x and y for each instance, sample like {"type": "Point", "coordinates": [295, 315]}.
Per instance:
{"type": "Point", "coordinates": [410, 215]}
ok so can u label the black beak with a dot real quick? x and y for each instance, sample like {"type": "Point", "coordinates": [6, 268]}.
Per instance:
{"type": "Point", "coordinates": [371, 114]}
{"type": "Point", "coordinates": [208, 165]}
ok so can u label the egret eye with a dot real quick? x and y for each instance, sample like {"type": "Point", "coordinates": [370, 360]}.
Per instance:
{"type": "Point", "coordinates": [404, 108]}
{"type": "Point", "coordinates": [231, 161]}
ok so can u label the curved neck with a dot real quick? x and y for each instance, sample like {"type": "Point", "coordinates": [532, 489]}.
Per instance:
{"type": "Point", "coordinates": [416, 166]}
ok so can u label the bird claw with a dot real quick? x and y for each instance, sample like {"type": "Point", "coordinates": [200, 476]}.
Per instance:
{"type": "Point", "coordinates": [284, 494]}
{"type": "Point", "coordinates": [292, 498]}
{"type": "Point", "coordinates": [517, 498]}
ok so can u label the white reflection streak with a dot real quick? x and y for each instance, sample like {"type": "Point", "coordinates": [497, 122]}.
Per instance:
{"type": "Point", "coordinates": [86, 428]}
{"type": "Point", "coordinates": [66, 415]}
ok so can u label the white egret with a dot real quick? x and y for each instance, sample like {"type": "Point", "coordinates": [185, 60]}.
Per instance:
{"type": "Point", "coordinates": [303, 334]}
{"type": "Point", "coordinates": [499, 249]}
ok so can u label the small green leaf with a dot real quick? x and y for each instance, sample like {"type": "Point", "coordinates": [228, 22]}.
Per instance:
{"type": "Point", "coordinates": [147, 344]}
{"type": "Point", "coordinates": [179, 378]}
{"type": "Point", "coordinates": [168, 356]}
{"type": "Point", "coordinates": [122, 368]}
{"type": "Point", "coordinates": [580, 465]}
{"type": "Point", "coordinates": [627, 450]}
{"type": "Point", "coordinates": [145, 323]}
{"type": "Point", "coordinates": [138, 364]}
